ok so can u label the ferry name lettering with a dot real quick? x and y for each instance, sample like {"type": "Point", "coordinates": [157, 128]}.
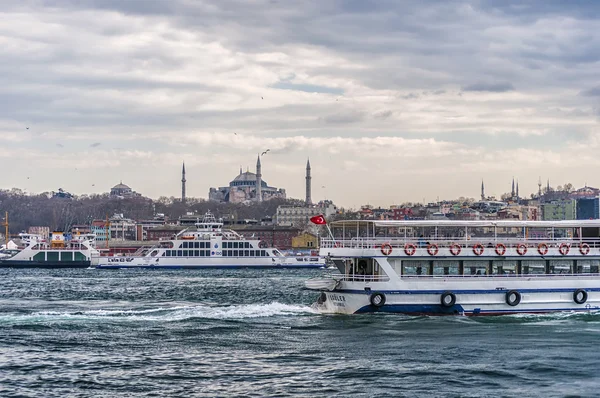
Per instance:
{"type": "Point", "coordinates": [337, 297]}
{"type": "Point", "coordinates": [120, 259]}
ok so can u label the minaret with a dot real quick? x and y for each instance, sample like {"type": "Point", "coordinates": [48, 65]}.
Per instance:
{"type": "Point", "coordinates": [548, 186]}
{"type": "Point", "coordinates": [308, 184]}
{"type": "Point", "coordinates": [482, 190]}
{"type": "Point", "coordinates": [540, 187]}
{"type": "Point", "coordinates": [512, 192]}
{"type": "Point", "coordinates": [517, 192]}
{"type": "Point", "coordinates": [258, 181]}
{"type": "Point", "coordinates": [183, 183]}
{"type": "Point", "coordinates": [240, 170]}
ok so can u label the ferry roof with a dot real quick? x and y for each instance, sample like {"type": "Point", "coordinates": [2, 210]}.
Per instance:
{"type": "Point", "coordinates": [473, 224]}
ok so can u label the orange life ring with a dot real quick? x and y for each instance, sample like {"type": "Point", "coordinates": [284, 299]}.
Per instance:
{"type": "Point", "coordinates": [478, 249]}
{"type": "Point", "coordinates": [386, 249]}
{"type": "Point", "coordinates": [433, 249]}
{"type": "Point", "coordinates": [521, 249]}
{"type": "Point", "coordinates": [410, 249]}
{"type": "Point", "coordinates": [564, 249]}
{"type": "Point", "coordinates": [543, 249]}
{"type": "Point", "coordinates": [455, 249]}
{"type": "Point", "coordinates": [500, 249]}
{"type": "Point", "coordinates": [584, 249]}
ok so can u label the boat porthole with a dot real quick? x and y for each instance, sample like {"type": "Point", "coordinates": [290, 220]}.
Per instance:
{"type": "Point", "coordinates": [513, 298]}
{"type": "Point", "coordinates": [580, 296]}
{"type": "Point", "coordinates": [377, 299]}
{"type": "Point", "coordinates": [448, 299]}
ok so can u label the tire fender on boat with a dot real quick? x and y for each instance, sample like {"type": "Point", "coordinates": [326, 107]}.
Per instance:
{"type": "Point", "coordinates": [580, 296]}
{"type": "Point", "coordinates": [377, 299]}
{"type": "Point", "coordinates": [513, 298]}
{"type": "Point", "coordinates": [447, 299]}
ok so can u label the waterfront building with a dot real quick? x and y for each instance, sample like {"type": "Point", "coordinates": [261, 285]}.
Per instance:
{"type": "Point", "coordinates": [246, 187]}
{"type": "Point", "coordinates": [44, 232]}
{"type": "Point", "coordinates": [276, 236]}
{"type": "Point", "coordinates": [564, 209]}
{"type": "Point", "coordinates": [298, 215]}
{"type": "Point", "coordinates": [588, 209]}
{"type": "Point", "coordinates": [305, 241]}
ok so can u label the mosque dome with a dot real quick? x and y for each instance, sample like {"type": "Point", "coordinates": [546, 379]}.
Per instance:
{"type": "Point", "coordinates": [246, 179]}
{"type": "Point", "coordinates": [120, 186]}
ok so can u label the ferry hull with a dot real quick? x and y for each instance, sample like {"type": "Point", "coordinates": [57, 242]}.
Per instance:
{"type": "Point", "coordinates": [43, 264]}
{"type": "Point", "coordinates": [132, 262]}
{"type": "Point", "coordinates": [468, 302]}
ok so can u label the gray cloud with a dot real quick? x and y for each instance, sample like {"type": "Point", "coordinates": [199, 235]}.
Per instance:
{"type": "Point", "coordinates": [491, 87]}
{"type": "Point", "coordinates": [591, 92]}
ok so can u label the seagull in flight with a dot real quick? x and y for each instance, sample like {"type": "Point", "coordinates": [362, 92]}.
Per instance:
{"type": "Point", "coordinates": [26, 128]}
{"type": "Point", "coordinates": [265, 152]}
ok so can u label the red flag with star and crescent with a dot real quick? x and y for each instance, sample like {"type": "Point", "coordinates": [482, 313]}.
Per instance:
{"type": "Point", "coordinates": [319, 220]}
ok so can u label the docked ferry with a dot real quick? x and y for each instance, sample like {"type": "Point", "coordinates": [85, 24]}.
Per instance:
{"type": "Point", "coordinates": [59, 251]}
{"type": "Point", "coordinates": [461, 267]}
{"type": "Point", "coordinates": [208, 245]}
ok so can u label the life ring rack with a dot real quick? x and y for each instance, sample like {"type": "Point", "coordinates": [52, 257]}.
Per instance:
{"type": "Point", "coordinates": [386, 249]}
{"type": "Point", "coordinates": [564, 248]}
{"type": "Point", "coordinates": [455, 249]}
{"type": "Point", "coordinates": [584, 249]}
{"type": "Point", "coordinates": [521, 249]}
{"type": "Point", "coordinates": [410, 249]}
{"type": "Point", "coordinates": [433, 249]}
{"type": "Point", "coordinates": [500, 249]}
{"type": "Point", "coordinates": [478, 249]}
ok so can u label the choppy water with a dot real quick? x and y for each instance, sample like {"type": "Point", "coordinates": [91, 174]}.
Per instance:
{"type": "Point", "coordinates": [150, 333]}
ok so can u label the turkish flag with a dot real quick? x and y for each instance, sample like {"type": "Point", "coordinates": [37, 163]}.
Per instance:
{"type": "Point", "coordinates": [320, 220]}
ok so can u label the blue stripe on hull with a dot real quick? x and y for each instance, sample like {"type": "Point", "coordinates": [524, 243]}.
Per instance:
{"type": "Point", "coordinates": [433, 309]}
{"type": "Point", "coordinates": [486, 291]}
{"type": "Point", "coordinates": [203, 266]}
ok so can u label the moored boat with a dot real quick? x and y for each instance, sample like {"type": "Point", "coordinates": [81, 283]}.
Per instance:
{"type": "Point", "coordinates": [462, 267]}
{"type": "Point", "coordinates": [36, 252]}
{"type": "Point", "coordinates": [208, 245]}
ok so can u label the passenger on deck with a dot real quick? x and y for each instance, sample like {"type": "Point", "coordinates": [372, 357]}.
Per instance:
{"type": "Point", "coordinates": [421, 242]}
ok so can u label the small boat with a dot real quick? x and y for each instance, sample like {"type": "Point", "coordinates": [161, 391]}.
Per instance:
{"type": "Point", "coordinates": [471, 268]}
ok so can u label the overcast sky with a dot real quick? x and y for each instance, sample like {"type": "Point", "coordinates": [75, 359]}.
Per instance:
{"type": "Point", "coordinates": [392, 101]}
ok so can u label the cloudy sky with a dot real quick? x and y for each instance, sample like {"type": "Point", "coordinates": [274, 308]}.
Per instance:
{"type": "Point", "coordinates": [392, 101]}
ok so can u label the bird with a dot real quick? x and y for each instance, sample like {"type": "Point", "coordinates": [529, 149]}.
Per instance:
{"type": "Point", "coordinates": [28, 178]}
{"type": "Point", "coordinates": [265, 152]}
{"type": "Point", "coordinates": [261, 98]}
{"type": "Point", "coordinates": [26, 128]}
{"type": "Point", "coordinates": [235, 133]}
{"type": "Point", "coordinates": [60, 145]}
{"type": "Point", "coordinates": [93, 185]}
{"type": "Point", "coordinates": [95, 144]}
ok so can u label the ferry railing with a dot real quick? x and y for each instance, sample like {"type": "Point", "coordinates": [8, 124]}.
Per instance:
{"type": "Point", "coordinates": [501, 276]}
{"type": "Point", "coordinates": [362, 278]}
{"type": "Point", "coordinates": [489, 242]}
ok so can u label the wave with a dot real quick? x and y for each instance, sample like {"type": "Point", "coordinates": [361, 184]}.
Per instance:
{"type": "Point", "coordinates": [166, 314]}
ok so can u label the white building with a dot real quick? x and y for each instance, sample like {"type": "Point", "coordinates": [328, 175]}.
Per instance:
{"type": "Point", "coordinates": [296, 215]}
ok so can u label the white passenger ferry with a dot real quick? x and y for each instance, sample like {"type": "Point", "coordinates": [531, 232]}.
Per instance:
{"type": "Point", "coordinates": [208, 245]}
{"type": "Point", "coordinates": [57, 252]}
{"type": "Point", "coordinates": [461, 267]}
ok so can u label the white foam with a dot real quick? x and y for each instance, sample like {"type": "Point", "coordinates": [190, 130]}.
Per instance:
{"type": "Point", "coordinates": [168, 314]}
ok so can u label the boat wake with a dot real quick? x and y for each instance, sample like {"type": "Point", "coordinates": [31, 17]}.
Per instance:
{"type": "Point", "coordinates": [163, 314]}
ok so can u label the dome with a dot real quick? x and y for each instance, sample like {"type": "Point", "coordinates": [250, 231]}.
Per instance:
{"type": "Point", "coordinates": [246, 179]}
{"type": "Point", "coordinates": [247, 176]}
{"type": "Point", "coordinates": [121, 186]}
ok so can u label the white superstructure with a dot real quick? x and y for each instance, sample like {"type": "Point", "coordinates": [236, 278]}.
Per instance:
{"type": "Point", "coordinates": [461, 267]}
{"type": "Point", "coordinates": [207, 245]}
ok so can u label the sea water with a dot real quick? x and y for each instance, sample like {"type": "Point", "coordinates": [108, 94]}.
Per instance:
{"type": "Point", "coordinates": [156, 333]}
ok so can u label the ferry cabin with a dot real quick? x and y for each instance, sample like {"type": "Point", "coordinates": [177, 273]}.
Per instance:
{"type": "Point", "coordinates": [548, 265]}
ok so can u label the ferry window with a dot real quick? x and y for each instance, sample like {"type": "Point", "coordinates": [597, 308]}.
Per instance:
{"type": "Point", "coordinates": [504, 267]}
{"type": "Point", "coordinates": [531, 267]}
{"type": "Point", "coordinates": [197, 253]}
{"type": "Point", "coordinates": [441, 268]}
{"type": "Point", "coordinates": [185, 253]}
{"type": "Point", "coordinates": [196, 245]}
{"type": "Point", "coordinates": [186, 245]}
{"type": "Point", "coordinates": [263, 253]}
{"type": "Point", "coordinates": [251, 253]}
{"type": "Point", "coordinates": [246, 253]}
{"type": "Point", "coordinates": [225, 245]}
{"type": "Point", "coordinates": [247, 245]}
{"type": "Point", "coordinates": [415, 268]}
{"type": "Point", "coordinates": [235, 245]}
{"type": "Point", "coordinates": [235, 253]}
{"type": "Point", "coordinates": [561, 266]}
{"type": "Point", "coordinates": [179, 253]}
{"type": "Point", "coordinates": [207, 253]}
{"type": "Point", "coordinates": [475, 268]}
{"type": "Point", "coordinates": [225, 253]}
{"type": "Point", "coordinates": [163, 254]}
{"type": "Point", "coordinates": [181, 245]}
